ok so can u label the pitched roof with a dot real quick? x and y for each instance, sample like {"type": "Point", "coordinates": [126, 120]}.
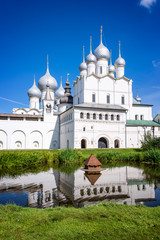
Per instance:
{"type": "Point", "coordinates": [92, 161]}
{"type": "Point", "coordinates": [142, 123]}
{"type": "Point", "coordinates": [100, 106]}
{"type": "Point", "coordinates": [93, 177]}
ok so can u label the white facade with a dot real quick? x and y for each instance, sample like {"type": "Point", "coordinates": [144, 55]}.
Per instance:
{"type": "Point", "coordinates": [102, 112]}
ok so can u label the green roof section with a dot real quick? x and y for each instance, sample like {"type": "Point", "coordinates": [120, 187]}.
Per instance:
{"type": "Point", "coordinates": [142, 123]}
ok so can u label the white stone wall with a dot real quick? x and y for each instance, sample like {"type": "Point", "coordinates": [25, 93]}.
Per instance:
{"type": "Point", "coordinates": [93, 129]}
{"type": "Point", "coordinates": [140, 110]}
{"type": "Point", "coordinates": [22, 134]}
{"type": "Point", "coordinates": [101, 87]}
{"type": "Point", "coordinates": [67, 129]}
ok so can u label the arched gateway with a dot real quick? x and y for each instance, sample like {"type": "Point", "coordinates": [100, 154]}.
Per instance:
{"type": "Point", "coordinates": [102, 143]}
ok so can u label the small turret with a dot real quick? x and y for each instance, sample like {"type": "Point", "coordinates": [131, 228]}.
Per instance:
{"type": "Point", "coordinates": [103, 55]}
{"type": "Point", "coordinates": [67, 100]}
{"type": "Point", "coordinates": [42, 83]}
{"type": "Point", "coordinates": [120, 64]}
{"type": "Point", "coordinates": [138, 99]}
{"type": "Point", "coordinates": [34, 96]}
{"type": "Point", "coordinates": [91, 60]}
{"type": "Point", "coordinates": [83, 66]}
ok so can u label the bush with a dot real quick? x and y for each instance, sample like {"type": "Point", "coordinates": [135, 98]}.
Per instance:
{"type": "Point", "coordinates": [150, 142]}
{"type": "Point", "coordinates": [152, 156]}
{"type": "Point", "coordinates": [70, 156]}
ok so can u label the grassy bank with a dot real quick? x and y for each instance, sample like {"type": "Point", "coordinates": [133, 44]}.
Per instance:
{"type": "Point", "coordinates": [37, 158]}
{"type": "Point", "coordinates": [107, 221]}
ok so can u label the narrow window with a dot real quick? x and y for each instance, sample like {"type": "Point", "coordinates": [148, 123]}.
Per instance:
{"type": "Point", "coordinates": [112, 117]}
{"type": "Point", "coordinates": [88, 116]}
{"type": "Point", "coordinates": [100, 116]}
{"type": "Point", "coordinates": [81, 115]}
{"type": "Point", "coordinates": [136, 117]}
{"type": "Point", "coordinates": [123, 100]}
{"type": "Point", "coordinates": [93, 97]}
{"type": "Point", "coordinates": [84, 129]}
{"type": "Point", "coordinates": [100, 70]}
{"type": "Point", "coordinates": [78, 100]}
{"type": "Point", "coordinates": [118, 118]}
{"type": "Point", "coordinates": [94, 116]}
{"type": "Point", "coordinates": [106, 116]}
{"type": "Point", "coordinates": [108, 98]}
{"type": "Point", "coordinates": [142, 117]}
{"type": "Point", "coordinates": [67, 143]}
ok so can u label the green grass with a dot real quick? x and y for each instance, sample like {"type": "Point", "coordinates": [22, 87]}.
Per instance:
{"type": "Point", "coordinates": [106, 221]}
{"type": "Point", "coordinates": [36, 159]}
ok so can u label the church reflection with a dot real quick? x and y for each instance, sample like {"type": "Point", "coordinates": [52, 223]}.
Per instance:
{"type": "Point", "coordinates": [125, 185]}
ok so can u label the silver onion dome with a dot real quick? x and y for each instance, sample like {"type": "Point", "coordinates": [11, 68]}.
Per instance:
{"type": "Point", "coordinates": [91, 58]}
{"type": "Point", "coordinates": [102, 52]}
{"type": "Point", "coordinates": [82, 66]}
{"type": "Point", "coordinates": [111, 68]}
{"type": "Point", "coordinates": [47, 78]}
{"type": "Point", "coordinates": [120, 61]}
{"type": "Point", "coordinates": [60, 92]}
{"type": "Point", "coordinates": [34, 91]}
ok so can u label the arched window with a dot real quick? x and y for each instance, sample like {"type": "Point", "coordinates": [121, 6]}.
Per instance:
{"type": "Point", "coordinates": [112, 117]}
{"type": "Point", "coordinates": [123, 100]}
{"type": "Point", "coordinates": [81, 115]}
{"type": "Point", "coordinates": [83, 143]}
{"type": "Point", "coordinates": [142, 117]}
{"type": "Point", "coordinates": [106, 116]}
{"type": "Point", "coordinates": [108, 98]}
{"type": "Point", "coordinates": [93, 97]}
{"type": "Point", "coordinates": [100, 116]}
{"type": "Point", "coordinates": [116, 143]}
{"type": "Point", "coordinates": [136, 117]}
{"type": "Point", "coordinates": [88, 116]}
{"type": "Point", "coordinates": [18, 145]}
{"type": "Point", "coordinates": [94, 116]}
{"type": "Point", "coordinates": [78, 100]}
{"type": "Point", "coordinates": [118, 118]}
{"type": "Point", "coordinates": [35, 144]}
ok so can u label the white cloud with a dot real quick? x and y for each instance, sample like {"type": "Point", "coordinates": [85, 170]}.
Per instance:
{"type": "Point", "coordinates": [147, 3]}
{"type": "Point", "coordinates": [156, 63]}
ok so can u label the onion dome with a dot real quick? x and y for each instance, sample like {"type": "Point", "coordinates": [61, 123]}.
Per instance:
{"type": "Point", "coordinates": [138, 99]}
{"type": "Point", "coordinates": [91, 57]}
{"type": "Point", "coordinates": [60, 92]}
{"type": "Point", "coordinates": [34, 91]}
{"type": "Point", "coordinates": [83, 65]}
{"type": "Point", "coordinates": [47, 78]}
{"type": "Point", "coordinates": [111, 67]}
{"type": "Point", "coordinates": [120, 61]}
{"type": "Point", "coordinates": [101, 51]}
{"type": "Point", "coordinates": [67, 98]}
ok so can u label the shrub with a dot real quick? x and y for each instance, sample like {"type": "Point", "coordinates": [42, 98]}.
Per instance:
{"type": "Point", "coordinates": [152, 156]}
{"type": "Point", "coordinates": [150, 142]}
{"type": "Point", "coordinates": [70, 156]}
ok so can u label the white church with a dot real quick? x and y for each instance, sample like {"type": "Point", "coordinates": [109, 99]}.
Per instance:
{"type": "Point", "coordinates": [101, 114]}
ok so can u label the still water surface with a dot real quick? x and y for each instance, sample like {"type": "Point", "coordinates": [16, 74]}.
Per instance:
{"type": "Point", "coordinates": [125, 185]}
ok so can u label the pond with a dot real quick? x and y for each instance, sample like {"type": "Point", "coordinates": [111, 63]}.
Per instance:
{"type": "Point", "coordinates": [126, 185]}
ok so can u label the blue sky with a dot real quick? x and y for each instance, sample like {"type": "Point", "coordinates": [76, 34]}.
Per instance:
{"type": "Point", "coordinates": [31, 29]}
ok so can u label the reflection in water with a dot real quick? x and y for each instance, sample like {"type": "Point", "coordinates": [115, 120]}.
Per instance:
{"type": "Point", "coordinates": [126, 185]}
